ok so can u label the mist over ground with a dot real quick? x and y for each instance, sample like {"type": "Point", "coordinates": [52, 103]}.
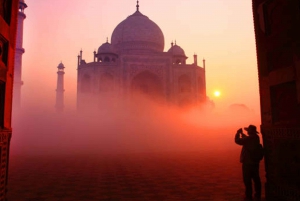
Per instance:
{"type": "Point", "coordinates": [119, 126]}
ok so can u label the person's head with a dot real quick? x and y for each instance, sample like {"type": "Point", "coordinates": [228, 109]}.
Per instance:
{"type": "Point", "coordinates": [251, 130]}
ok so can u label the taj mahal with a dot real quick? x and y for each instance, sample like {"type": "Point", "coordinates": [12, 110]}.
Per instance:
{"type": "Point", "coordinates": [134, 63]}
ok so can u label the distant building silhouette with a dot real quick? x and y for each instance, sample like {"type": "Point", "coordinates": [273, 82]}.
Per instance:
{"type": "Point", "coordinates": [239, 108]}
{"type": "Point", "coordinates": [18, 56]}
{"type": "Point", "coordinates": [135, 63]}
{"type": "Point", "coordinates": [60, 88]}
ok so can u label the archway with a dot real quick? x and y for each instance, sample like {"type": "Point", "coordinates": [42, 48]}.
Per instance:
{"type": "Point", "coordinates": [200, 85]}
{"type": "Point", "coordinates": [106, 83]}
{"type": "Point", "coordinates": [184, 84]}
{"type": "Point", "coordinates": [147, 84]}
{"type": "Point", "coordinates": [86, 84]}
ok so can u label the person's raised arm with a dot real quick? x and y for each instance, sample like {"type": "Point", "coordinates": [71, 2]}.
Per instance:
{"type": "Point", "coordinates": [240, 137]}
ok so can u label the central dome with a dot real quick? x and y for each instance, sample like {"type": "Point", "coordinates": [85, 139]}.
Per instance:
{"type": "Point", "coordinates": [138, 32]}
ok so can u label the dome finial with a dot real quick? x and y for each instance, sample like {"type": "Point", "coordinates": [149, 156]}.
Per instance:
{"type": "Point", "coordinates": [107, 39]}
{"type": "Point", "coordinates": [137, 6]}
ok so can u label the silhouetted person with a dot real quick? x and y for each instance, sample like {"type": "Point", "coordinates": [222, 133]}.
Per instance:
{"type": "Point", "coordinates": [250, 160]}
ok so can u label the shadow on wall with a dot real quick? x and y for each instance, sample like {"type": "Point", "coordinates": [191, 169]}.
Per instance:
{"type": "Point", "coordinates": [120, 126]}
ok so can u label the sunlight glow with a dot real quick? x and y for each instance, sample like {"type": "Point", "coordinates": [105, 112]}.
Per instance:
{"type": "Point", "coordinates": [217, 93]}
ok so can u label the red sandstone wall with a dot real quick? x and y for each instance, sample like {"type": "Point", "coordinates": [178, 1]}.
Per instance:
{"type": "Point", "coordinates": [8, 29]}
{"type": "Point", "coordinates": [277, 32]}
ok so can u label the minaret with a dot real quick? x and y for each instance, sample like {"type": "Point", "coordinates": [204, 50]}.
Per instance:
{"type": "Point", "coordinates": [18, 57]}
{"type": "Point", "coordinates": [195, 59]}
{"type": "Point", "coordinates": [94, 55]}
{"type": "Point", "coordinates": [60, 88]}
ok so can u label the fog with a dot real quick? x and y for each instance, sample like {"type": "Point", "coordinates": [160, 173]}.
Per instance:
{"type": "Point", "coordinates": [127, 126]}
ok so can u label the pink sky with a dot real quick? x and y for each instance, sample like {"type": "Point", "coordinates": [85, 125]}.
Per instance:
{"type": "Point", "coordinates": [219, 31]}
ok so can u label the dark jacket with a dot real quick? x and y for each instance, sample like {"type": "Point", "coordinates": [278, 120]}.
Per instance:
{"type": "Point", "coordinates": [249, 143]}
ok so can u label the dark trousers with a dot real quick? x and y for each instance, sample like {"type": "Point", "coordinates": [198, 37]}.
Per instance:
{"type": "Point", "coordinates": [251, 172]}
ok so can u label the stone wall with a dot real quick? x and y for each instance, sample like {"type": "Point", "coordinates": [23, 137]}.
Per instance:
{"type": "Point", "coordinates": [8, 30]}
{"type": "Point", "coordinates": [277, 31]}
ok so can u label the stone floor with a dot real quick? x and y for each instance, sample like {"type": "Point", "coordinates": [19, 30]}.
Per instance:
{"type": "Point", "coordinates": [173, 176]}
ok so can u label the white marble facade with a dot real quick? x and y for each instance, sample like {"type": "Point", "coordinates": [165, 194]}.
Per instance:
{"type": "Point", "coordinates": [135, 63]}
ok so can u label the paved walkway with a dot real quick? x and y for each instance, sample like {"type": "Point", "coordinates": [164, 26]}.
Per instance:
{"type": "Point", "coordinates": [142, 177]}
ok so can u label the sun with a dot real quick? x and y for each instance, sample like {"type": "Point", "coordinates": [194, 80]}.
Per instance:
{"type": "Point", "coordinates": [217, 93]}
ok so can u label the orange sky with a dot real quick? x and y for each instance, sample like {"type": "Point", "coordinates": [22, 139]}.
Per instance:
{"type": "Point", "coordinates": [219, 31]}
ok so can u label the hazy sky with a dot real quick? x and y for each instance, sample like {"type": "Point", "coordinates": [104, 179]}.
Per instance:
{"type": "Point", "coordinates": [217, 30]}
